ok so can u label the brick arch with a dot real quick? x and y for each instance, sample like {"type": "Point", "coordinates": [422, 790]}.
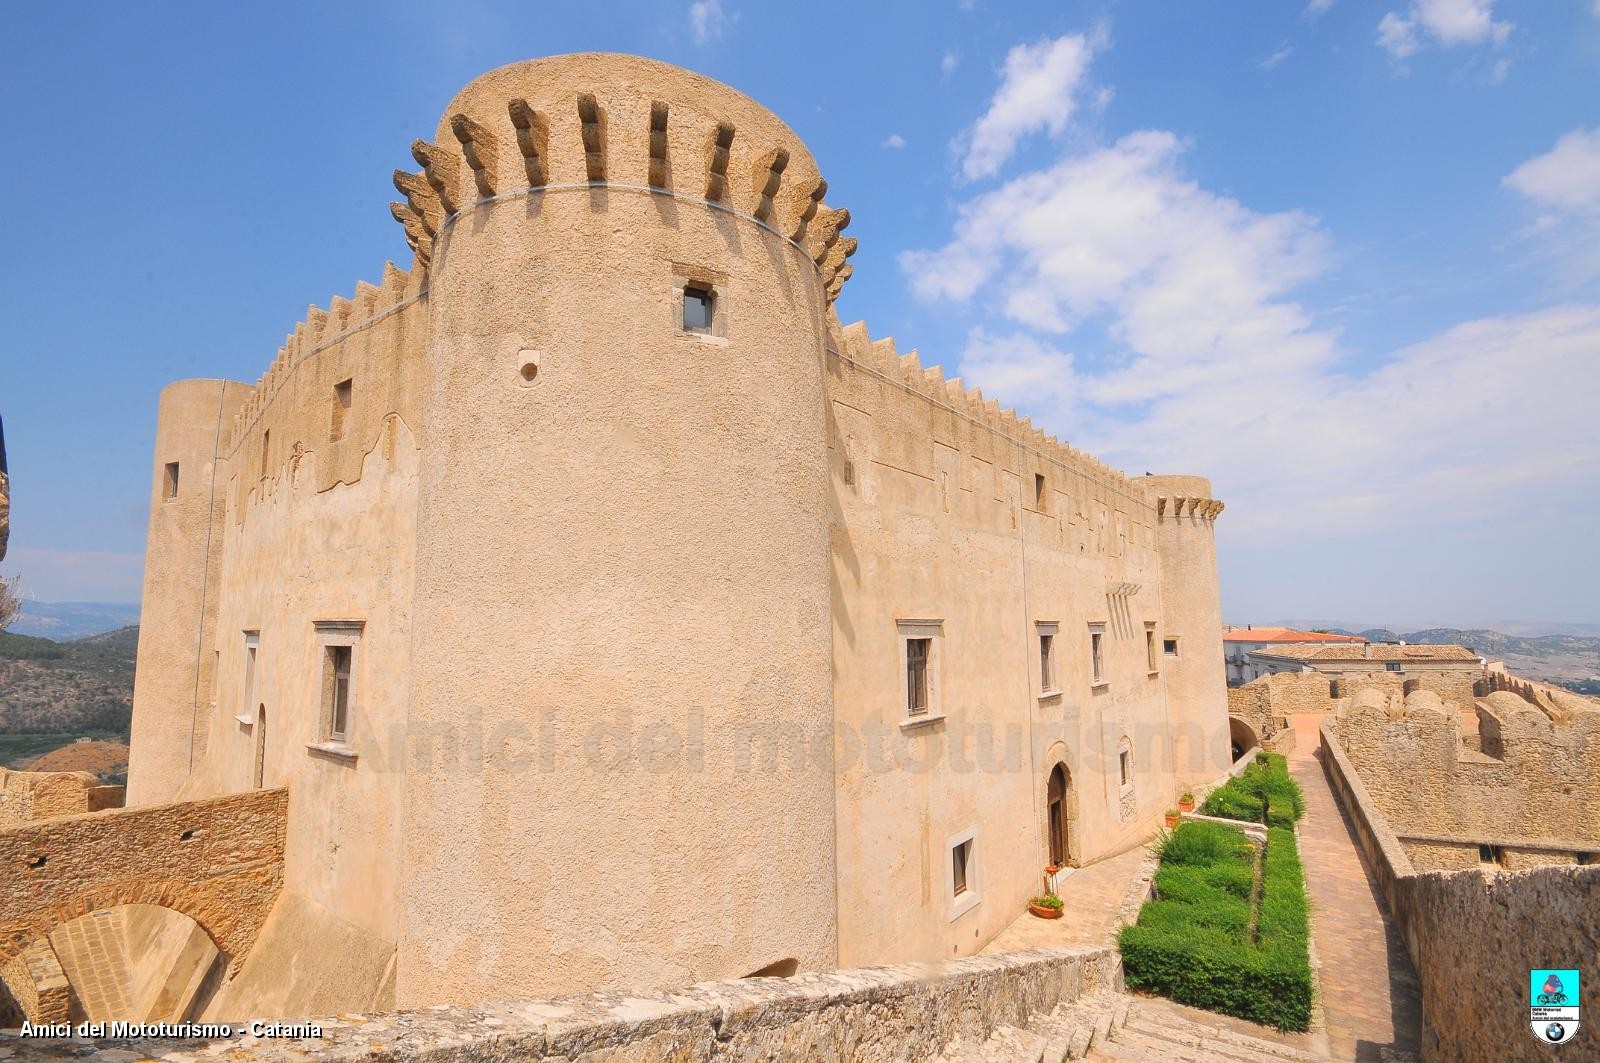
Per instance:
{"type": "Point", "coordinates": [186, 900]}
{"type": "Point", "coordinates": [1242, 737]}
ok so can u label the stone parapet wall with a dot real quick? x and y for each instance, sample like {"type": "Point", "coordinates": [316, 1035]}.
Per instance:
{"type": "Point", "coordinates": [26, 796]}
{"type": "Point", "coordinates": [1474, 937]}
{"type": "Point", "coordinates": [906, 1012]}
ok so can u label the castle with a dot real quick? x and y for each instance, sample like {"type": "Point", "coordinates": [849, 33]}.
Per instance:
{"type": "Point", "coordinates": [613, 616]}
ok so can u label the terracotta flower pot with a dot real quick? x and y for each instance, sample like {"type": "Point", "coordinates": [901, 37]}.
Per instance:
{"type": "Point", "coordinates": [1172, 819]}
{"type": "Point", "coordinates": [1186, 805]}
{"type": "Point", "coordinates": [1045, 913]}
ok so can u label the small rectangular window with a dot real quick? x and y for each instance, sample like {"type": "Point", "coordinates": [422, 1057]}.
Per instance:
{"type": "Point", "coordinates": [1047, 664]}
{"type": "Point", "coordinates": [1097, 653]}
{"type": "Point", "coordinates": [699, 309]}
{"type": "Point", "coordinates": [343, 394]}
{"type": "Point", "coordinates": [1490, 854]}
{"type": "Point", "coordinates": [1150, 647]}
{"type": "Point", "coordinates": [1394, 666]}
{"type": "Point", "coordinates": [169, 482]}
{"type": "Point", "coordinates": [247, 710]}
{"type": "Point", "coordinates": [960, 864]}
{"type": "Point", "coordinates": [1125, 766]}
{"type": "Point", "coordinates": [336, 692]}
{"type": "Point", "coordinates": [1169, 647]}
{"type": "Point", "coordinates": [266, 447]}
{"type": "Point", "coordinates": [1039, 492]}
{"type": "Point", "coordinates": [917, 676]}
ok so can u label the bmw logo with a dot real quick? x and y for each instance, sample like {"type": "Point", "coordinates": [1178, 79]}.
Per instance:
{"type": "Point", "coordinates": [1554, 1032]}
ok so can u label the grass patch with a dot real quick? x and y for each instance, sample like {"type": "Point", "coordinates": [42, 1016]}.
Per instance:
{"type": "Point", "coordinates": [1264, 792]}
{"type": "Point", "coordinates": [1194, 941]}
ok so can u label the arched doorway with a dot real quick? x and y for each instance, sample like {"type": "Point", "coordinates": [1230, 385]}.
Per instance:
{"type": "Point", "coordinates": [1056, 816]}
{"type": "Point", "coordinates": [136, 963]}
{"type": "Point", "coordinates": [261, 746]}
{"type": "Point", "coordinates": [1241, 737]}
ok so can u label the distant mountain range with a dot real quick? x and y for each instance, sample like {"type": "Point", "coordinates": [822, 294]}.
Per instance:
{"type": "Point", "coordinates": [65, 621]}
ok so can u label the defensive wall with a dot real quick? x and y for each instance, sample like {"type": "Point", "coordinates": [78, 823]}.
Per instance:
{"type": "Point", "coordinates": [1473, 935]}
{"type": "Point", "coordinates": [1265, 701]}
{"type": "Point", "coordinates": [870, 1015]}
{"type": "Point", "coordinates": [31, 795]}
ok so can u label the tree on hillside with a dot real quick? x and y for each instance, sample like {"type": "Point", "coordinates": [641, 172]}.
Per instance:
{"type": "Point", "coordinates": [10, 602]}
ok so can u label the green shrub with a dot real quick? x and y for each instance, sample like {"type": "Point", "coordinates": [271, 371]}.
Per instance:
{"type": "Point", "coordinates": [1192, 943]}
{"type": "Point", "coordinates": [1203, 844]}
{"type": "Point", "coordinates": [1264, 792]}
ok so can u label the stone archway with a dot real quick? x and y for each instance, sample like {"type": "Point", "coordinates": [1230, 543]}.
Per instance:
{"type": "Point", "coordinates": [1241, 738]}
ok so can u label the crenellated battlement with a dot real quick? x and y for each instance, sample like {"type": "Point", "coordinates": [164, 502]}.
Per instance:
{"type": "Point", "coordinates": [854, 342]}
{"type": "Point", "coordinates": [587, 121]}
{"type": "Point", "coordinates": [321, 329]}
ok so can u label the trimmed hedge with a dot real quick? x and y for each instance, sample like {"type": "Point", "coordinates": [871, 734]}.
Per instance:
{"type": "Point", "coordinates": [1192, 944]}
{"type": "Point", "coordinates": [1264, 793]}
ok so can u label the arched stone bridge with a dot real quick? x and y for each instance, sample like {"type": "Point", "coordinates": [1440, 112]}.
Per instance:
{"type": "Point", "coordinates": [218, 861]}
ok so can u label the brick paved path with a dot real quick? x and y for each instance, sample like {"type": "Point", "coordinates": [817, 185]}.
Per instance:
{"type": "Point", "coordinates": [1370, 995]}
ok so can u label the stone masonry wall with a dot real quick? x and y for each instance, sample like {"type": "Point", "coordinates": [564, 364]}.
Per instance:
{"type": "Point", "coordinates": [906, 1012]}
{"type": "Point", "coordinates": [219, 861]}
{"type": "Point", "coordinates": [26, 796]}
{"type": "Point", "coordinates": [1474, 937]}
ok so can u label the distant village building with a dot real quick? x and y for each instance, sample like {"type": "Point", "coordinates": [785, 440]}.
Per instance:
{"type": "Point", "coordinates": [1240, 642]}
{"type": "Point", "coordinates": [1360, 657]}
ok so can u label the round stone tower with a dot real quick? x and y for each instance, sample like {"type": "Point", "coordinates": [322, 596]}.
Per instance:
{"type": "Point", "coordinates": [1197, 686]}
{"type": "Point", "coordinates": [620, 766]}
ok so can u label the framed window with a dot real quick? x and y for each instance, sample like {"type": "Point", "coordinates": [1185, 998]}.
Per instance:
{"type": "Point", "coordinates": [343, 396]}
{"type": "Point", "coordinates": [964, 893]}
{"type": "Point", "coordinates": [1047, 659]}
{"type": "Point", "coordinates": [1125, 764]}
{"type": "Point", "coordinates": [1097, 654]}
{"type": "Point", "coordinates": [699, 309]}
{"type": "Point", "coordinates": [1394, 666]}
{"type": "Point", "coordinates": [169, 482]}
{"type": "Point", "coordinates": [1152, 664]}
{"type": "Point", "coordinates": [1169, 647]}
{"type": "Point", "coordinates": [339, 643]}
{"type": "Point", "coordinates": [919, 669]}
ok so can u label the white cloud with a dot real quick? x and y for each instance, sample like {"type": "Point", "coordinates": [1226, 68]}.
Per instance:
{"type": "Point", "coordinates": [1564, 184]}
{"type": "Point", "coordinates": [708, 21]}
{"type": "Point", "coordinates": [1317, 7]}
{"type": "Point", "coordinates": [952, 59]}
{"type": "Point", "coordinates": [1038, 90]}
{"type": "Point", "coordinates": [894, 140]}
{"type": "Point", "coordinates": [1446, 23]}
{"type": "Point", "coordinates": [1214, 367]}
{"type": "Point", "coordinates": [1277, 57]}
{"type": "Point", "coordinates": [1567, 177]}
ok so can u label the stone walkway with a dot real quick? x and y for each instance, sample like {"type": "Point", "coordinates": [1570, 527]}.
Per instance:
{"type": "Point", "coordinates": [1091, 901]}
{"type": "Point", "coordinates": [1370, 998]}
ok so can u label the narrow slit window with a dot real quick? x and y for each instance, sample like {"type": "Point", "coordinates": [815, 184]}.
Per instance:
{"type": "Point", "coordinates": [1047, 663]}
{"type": "Point", "coordinates": [1150, 647]}
{"type": "Point", "coordinates": [917, 676]}
{"type": "Point", "coordinates": [1097, 654]}
{"type": "Point", "coordinates": [1039, 492]}
{"type": "Point", "coordinates": [169, 482]}
{"type": "Point", "coordinates": [336, 688]}
{"type": "Point", "coordinates": [266, 448]}
{"type": "Point", "coordinates": [699, 309]}
{"type": "Point", "coordinates": [343, 394]}
{"type": "Point", "coordinates": [1125, 766]}
{"type": "Point", "coordinates": [960, 866]}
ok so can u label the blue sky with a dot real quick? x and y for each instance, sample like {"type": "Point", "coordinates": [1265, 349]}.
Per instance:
{"type": "Point", "coordinates": [1343, 257]}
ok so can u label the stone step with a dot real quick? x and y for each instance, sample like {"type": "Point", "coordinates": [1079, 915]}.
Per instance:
{"type": "Point", "coordinates": [1150, 1014]}
{"type": "Point", "coordinates": [1132, 1045]}
{"type": "Point", "coordinates": [1007, 1044]}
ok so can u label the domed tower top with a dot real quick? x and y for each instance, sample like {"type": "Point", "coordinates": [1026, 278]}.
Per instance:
{"type": "Point", "coordinates": [606, 119]}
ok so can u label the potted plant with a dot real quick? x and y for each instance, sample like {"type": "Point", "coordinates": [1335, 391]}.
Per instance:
{"type": "Point", "coordinates": [1186, 803]}
{"type": "Point", "coordinates": [1046, 907]}
{"type": "Point", "coordinates": [1172, 817]}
